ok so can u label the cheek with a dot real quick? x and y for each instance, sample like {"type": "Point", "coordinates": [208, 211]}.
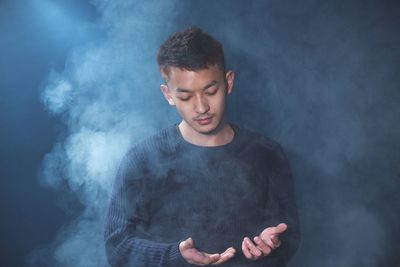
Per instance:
{"type": "Point", "coordinates": [184, 109]}
{"type": "Point", "coordinates": [218, 103]}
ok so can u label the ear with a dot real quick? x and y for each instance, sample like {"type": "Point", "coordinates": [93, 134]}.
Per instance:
{"type": "Point", "coordinates": [165, 90]}
{"type": "Point", "coordinates": [230, 78]}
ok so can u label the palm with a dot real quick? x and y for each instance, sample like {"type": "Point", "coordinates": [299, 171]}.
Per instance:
{"type": "Point", "coordinates": [195, 256]}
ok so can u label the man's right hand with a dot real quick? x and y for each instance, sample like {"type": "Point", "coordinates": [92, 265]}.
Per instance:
{"type": "Point", "coordinates": [195, 256]}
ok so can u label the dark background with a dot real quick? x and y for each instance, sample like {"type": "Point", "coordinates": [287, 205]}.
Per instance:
{"type": "Point", "coordinates": [31, 43]}
{"type": "Point", "coordinates": [320, 77]}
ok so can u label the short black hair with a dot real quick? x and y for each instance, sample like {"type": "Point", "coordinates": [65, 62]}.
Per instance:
{"type": "Point", "coordinates": [191, 49]}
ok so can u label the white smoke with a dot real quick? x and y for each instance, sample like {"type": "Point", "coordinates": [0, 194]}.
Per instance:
{"type": "Point", "coordinates": [328, 101]}
{"type": "Point", "coordinates": [108, 96]}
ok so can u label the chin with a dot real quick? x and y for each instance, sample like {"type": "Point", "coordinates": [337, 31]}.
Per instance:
{"type": "Point", "coordinates": [207, 129]}
{"type": "Point", "coordinates": [207, 132]}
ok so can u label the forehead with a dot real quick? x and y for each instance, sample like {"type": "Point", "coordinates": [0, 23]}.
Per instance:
{"type": "Point", "coordinates": [190, 79]}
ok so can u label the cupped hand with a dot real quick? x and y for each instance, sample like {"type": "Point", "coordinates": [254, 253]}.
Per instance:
{"type": "Point", "coordinates": [195, 256]}
{"type": "Point", "coordinates": [264, 243]}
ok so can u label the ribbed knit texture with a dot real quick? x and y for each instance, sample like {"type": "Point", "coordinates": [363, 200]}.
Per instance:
{"type": "Point", "coordinates": [167, 190]}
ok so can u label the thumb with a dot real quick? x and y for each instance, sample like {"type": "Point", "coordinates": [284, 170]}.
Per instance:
{"type": "Point", "coordinates": [280, 228]}
{"type": "Point", "coordinates": [186, 244]}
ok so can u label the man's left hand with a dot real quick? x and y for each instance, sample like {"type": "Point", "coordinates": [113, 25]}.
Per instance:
{"type": "Point", "coordinates": [263, 244]}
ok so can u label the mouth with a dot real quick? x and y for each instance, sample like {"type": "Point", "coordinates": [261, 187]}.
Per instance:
{"type": "Point", "coordinates": [204, 121]}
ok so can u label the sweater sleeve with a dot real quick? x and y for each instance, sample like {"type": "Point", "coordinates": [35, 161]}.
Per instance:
{"type": "Point", "coordinates": [125, 238]}
{"type": "Point", "coordinates": [282, 208]}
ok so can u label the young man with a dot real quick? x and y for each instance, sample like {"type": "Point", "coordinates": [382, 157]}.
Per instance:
{"type": "Point", "coordinates": [204, 191]}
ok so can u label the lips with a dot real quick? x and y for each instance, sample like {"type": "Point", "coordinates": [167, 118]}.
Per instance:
{"type": "Point", "coordinates": [201, 119]}
{"type": "Point", "coordinates": [204, 121]}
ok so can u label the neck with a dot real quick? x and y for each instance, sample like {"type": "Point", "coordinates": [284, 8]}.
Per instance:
{"type": "Point", "coordinates": [223, 135]}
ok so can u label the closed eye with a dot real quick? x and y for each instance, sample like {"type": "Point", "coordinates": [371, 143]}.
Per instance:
{"type": "Point", "coordinates": [211, 93]}
{"type": "Point", "coordinates": [184, 98]}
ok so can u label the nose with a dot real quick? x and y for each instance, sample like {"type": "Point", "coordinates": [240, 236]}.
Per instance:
{"type": "Point", "coordinates": [202, 105]}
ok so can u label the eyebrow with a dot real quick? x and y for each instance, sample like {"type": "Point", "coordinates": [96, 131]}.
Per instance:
{"type": "Point", "coordinates": [182, 90]}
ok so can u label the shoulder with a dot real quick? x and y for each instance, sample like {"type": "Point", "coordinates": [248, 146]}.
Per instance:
{"type": "Point", "coordinates": [264, 151]}
{"type": "Point", "coordinates": [159, 142]}
{"type": "Point", "coordinates": [256, 139]}
{"type": "Point", "coordinates": [139, 157]}
{"type": "Point", "coordinates": [258, 146]}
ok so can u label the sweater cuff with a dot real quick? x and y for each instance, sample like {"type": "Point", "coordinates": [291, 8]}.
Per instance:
{"type": "Point", "coordinates": [176, 257]}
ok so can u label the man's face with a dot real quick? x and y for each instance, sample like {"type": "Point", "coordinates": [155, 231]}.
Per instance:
{"type": "Point", "coordinates": [199, 96]}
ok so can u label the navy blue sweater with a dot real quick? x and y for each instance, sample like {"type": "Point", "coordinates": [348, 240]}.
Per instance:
{"type": "Point", "coordinates": [167, 190]}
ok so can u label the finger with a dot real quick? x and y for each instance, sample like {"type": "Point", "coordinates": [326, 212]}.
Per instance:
{"type": "Point", "coordinates": [270, 243]}
{"type": "Point", "coordinates": [212, 258]}
{"type": "Point", "coordinates": [246, 251]}
{"type": "Point", "coordinates": [253, 249]}
{"type": "Point", "coordinates": [202, 258]}
{"type": "Point", "coordinates": [275, 230]}
{"type": "Point", "coordinates": [186, 244]}
{"type": "Point", "coordinates": [225, 256]}
{"type": "Point", "coordinates": [276, 241]}
{"type": "Point", "coordinates": [265, 249]}
{"type": "Point", "coordinates": [280, 228]}
{"type": "Point", "coordinates": [197, 256]}
{"type": "Point", "coordinates": [229, 252]}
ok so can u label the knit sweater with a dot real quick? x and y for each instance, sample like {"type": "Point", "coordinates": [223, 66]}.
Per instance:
{"type": "Point", "coordinates": [167, 190]}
